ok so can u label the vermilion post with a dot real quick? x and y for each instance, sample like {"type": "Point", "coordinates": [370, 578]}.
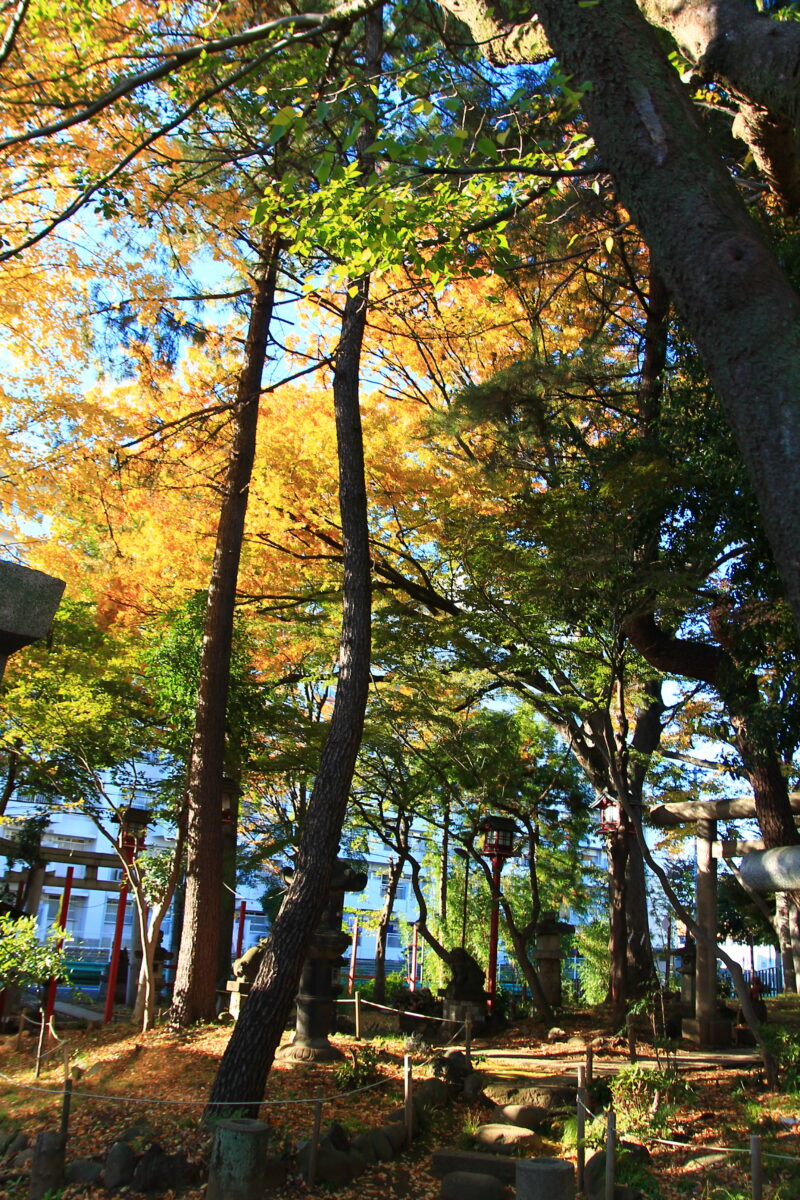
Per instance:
{"type": "Point", "coordinates": [494, 931]}
{"type": "Point", "coordinates": [412, 982]}
{"type": "Point", "coordinates": [128, 849]}
{"type": "Point", "coordinates": [240, 933]}
{"type": "Point", "coordinates": [61, 921]}
{"type": "Point", "coordinates": [351, 978]}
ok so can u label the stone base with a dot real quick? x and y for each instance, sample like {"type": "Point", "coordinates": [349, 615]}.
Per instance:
{"type": "Point", "coordinates": [297, 1052]}
{"type": "Point", "coordinates": [709, 1033]}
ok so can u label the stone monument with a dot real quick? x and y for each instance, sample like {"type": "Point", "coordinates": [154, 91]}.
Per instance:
{"type": "Point", "coordinates": [549, 934]}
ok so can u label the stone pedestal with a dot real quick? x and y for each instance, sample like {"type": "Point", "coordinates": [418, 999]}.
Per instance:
{"type": "Point", "coordinates": [549, 956]}
{"type": "Point", "coordinates": [708, 1033]}
{"type": "Point", "coordinates": [319, 982]}
{"type": "Point", "coordinates": [464, 995]}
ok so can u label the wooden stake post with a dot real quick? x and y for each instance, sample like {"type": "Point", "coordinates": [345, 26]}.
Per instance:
{"type": "Point", "coordinates": [611, 1150]}
{"type": "Point", "coordinates": [581, 1114]}
{"type": "Point", "coordinates": [408, 1099]}
{"type": "Point", "coordinates": [756, 1173]}
{"type": "Point", "coordinates": [314, 1150]}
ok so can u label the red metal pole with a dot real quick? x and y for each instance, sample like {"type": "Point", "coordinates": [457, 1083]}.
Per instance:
{"type": "Point", "coordinates": [61, 921]}
{"type": "Point", "coordinates": [128, 849]}
{"type": "Point", "coordinates": [240, 934]}
{"type": "Point", "coordinates": [351, 978]}
{"type": "Point", "coordinates": [494, 931]}
{"type": "Point", "coordinates": [412, 983]}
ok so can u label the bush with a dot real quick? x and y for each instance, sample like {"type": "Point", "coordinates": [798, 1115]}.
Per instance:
{"type": "Point", "coordinates": [363, 1069]}
{"type": "Point", "coordinates": [784, 1044]}
{"type": "Point", "coordinates": [646, 1098]}
{"type": "Point", "coordinates": [24, 960]}
{"type": "Point", "coordinates": [594, 964]}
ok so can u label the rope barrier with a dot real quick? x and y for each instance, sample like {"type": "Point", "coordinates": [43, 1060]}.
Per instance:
{"type": "Point", "coordinates": [401, 1012]}
{"type": "Point", "coordinates": [722, 1149]}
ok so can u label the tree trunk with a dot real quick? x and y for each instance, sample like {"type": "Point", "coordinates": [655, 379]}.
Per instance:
{"type": "Point", "coordinates": [738, 304]}
{"type": "Point", "coordinates": [229, 832]}
{"type": "Point", "coordinates": [617, 849]}
{"type": "Point", "coordinates": [10, 782]}
{"type": "Point", "coordinates": [195, 992]}
{"type": "Point", "coordinates": [249, 1055]}
{"type": "Point", "coordinates": [784, 935]}
{"type": "Point", "coordinates": [395, 871]}
{"type": "Point", "coordinates": [754, 736]}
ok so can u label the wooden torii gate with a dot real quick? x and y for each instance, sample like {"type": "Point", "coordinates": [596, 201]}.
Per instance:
{"type": "Point", "coordinates": [763, 870]}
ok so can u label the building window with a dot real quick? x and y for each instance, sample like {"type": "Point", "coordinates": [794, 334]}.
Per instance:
{"type": "Point", "coordinates": [76, 914]}
{"type": "Point", "coordinates": [110, 921]}
{"type": "Point", "coordinates": [256, 927]}
{"type": "Point", "coordinates": [402, 886]}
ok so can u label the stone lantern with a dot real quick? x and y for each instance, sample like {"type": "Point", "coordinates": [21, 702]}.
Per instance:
{"type": "Point", "coordinates": [319, 982]}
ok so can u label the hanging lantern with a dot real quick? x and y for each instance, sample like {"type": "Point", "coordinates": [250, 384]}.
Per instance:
{"type": "Point", "coordinates": [612, 816]}
{"type": "Point", "coordinates": [498, 837]}
{"type": "Point", "coordinates": [230, 796]}
{"type": "Point", "coordinates": [133, 824]}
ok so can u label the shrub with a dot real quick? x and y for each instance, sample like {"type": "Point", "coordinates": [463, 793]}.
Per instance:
{"type": "Point", "coordinates": [646, 1098]}
{"type": "Point", "coordinates": [24, 960]}
{"type": "Point", "coordinates": [363, 1069]}
{"type": "Point", "coordinates": [594, 965]}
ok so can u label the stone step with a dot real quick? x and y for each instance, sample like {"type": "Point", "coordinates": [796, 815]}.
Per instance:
{"type": "Point", "coordinates": [444, 1162]}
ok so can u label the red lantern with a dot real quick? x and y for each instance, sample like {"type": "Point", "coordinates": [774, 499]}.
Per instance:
{"type": "Point", "coordinates": [612, 817]}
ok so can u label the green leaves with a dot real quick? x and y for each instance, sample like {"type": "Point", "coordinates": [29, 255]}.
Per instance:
{"type": "Point", "coordinates": [24, 960]}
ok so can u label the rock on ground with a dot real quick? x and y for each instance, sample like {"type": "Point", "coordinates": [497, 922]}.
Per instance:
{"type": "Point", "coordinates": [471, 1185]}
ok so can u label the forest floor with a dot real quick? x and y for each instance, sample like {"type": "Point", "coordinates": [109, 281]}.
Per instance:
{"type": "Point", "coordinates": [162, 1078]}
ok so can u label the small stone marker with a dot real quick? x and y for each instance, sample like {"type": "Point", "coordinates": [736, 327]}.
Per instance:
{"type": "Point", "coordinates": [545, 1179]}
{"type": "Point", "coordinates": [47, 1167]}
{"type": "Point", "coordinates": [238, 1157]}
{"type": "Point", "coordinates": [119, 1166]}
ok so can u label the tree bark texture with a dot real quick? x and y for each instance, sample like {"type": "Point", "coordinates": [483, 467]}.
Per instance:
{"type": "Point", "coordinates": [738, 304]}
{"type": "Point", "coordinates": [196, 974]}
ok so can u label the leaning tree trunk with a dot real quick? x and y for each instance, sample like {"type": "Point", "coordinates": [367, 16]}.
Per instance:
{"type": "Point", "coordinates": [739, 305]}
{"type": "Point", "coordinates": [246, 1063]}
{"type": "Point", "coordinates": [381, 936]}
{"type": "Point", "coordinates": [195, 992]}
{"type": "Point", "coordinates": [784, 936]}
{"type": "Point", "coordinates": [249, 1055]}
{"type": "Point", "coordinates": [617, 850]}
